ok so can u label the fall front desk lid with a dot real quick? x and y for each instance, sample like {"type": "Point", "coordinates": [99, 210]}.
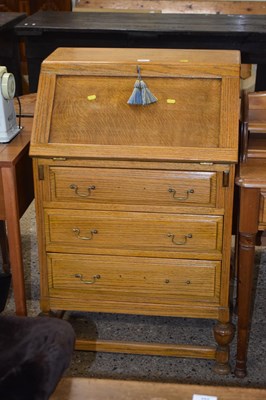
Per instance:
{"type": "Point", "coordinates": [138, 103]}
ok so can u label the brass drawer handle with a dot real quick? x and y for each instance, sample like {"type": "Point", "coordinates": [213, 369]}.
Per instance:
{"type": "Point", "coordinates": [94, 278]}
{"type": "Point", "coordinates": [171, 190]}
{"type": "Point", "coordinates": [77, 232]}
{"type": "Point", "coordinates": [186, 237]}
{"type": "Point", "coordinates": [79, 193]}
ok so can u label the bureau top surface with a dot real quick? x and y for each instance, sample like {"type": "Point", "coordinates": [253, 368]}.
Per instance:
{"type": "Point", "coordinates": [89, 56]}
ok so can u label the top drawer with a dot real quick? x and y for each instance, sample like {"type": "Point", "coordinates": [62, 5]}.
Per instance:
{"type": "Point", "coordinates": [132, 186]}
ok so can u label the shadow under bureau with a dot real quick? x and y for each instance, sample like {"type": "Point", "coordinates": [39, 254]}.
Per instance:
{"type": "Point", "coordinates": [134, 202]}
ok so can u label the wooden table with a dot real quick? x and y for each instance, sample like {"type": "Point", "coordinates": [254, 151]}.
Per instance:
{"type": "Point", "coordinates": [9, 45]}
{"type": "Point", "coordinates": [16, 194]}
{"type": "Point", "coordinates": [45, 31]}
{"type": "Point", "coordinates": [251, 180]}
{"type": "Point", "coordinates": [104, 389]}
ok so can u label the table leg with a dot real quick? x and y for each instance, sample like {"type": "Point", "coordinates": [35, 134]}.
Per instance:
{"type": "Point", "coordinates": [247, 230]}
{"type": "Point", "coordinates": [14, 237]}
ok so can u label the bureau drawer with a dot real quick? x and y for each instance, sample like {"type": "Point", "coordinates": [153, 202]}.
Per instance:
{"type": "Point", "coordinates": [114, 232]}
{"type": "Point", "coordinates": [132, 186]}
{"type": "Point", "coordinates": [133, 279]}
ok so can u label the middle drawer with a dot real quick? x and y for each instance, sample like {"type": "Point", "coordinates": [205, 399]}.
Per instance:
{"type": "Point", "coordinates": [105, 232]}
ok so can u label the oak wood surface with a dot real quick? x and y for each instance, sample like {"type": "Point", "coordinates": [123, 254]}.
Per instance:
{"type": "Point", "coordinates": [169, 188]}
{"type": "Point", "coordinates": [110, 237]}
{"type": "Point", "coordinates": [138, 233]}
{"type": "Point", "coordinates": [172, 131]}
{"type": "Point", "coordinates": [104, 389]}
{"type": "Point", "coordinates": [129, 279]}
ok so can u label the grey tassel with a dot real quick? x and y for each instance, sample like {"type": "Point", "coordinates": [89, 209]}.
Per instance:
{"type": "Point", "coordinates": [136, 97]}
{"type": "Point", "coordinates": [141, 95]}
{"type": "Point", "coordinates": [146, 94]}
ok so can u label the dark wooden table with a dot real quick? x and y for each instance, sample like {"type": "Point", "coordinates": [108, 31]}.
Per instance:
{"type": "Point", "coordinates": [45, 31]}
{"type": "Point", "coordinates": [16, 194]}
{"type": "Point", "coordinates": [9, 45]}
{"type": "Point", "coordinates": [251, 180]}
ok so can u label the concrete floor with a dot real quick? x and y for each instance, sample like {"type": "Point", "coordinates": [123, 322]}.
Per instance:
{"type": "Point", "coordinates": [153, 329]}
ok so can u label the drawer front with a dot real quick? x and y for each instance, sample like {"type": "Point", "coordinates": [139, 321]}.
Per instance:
{"type": "Point", "coordinates": [263, 208]}
{"type": "Point", "coordinates": [124, 186]}
{"type": "Point", "coordinates": [85, 231]}
{"type": "Point", "coordinates": [133, 279]}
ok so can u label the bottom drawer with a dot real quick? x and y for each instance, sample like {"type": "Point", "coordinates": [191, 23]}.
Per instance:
{"type": "Point", "coordinates": [132, 280]}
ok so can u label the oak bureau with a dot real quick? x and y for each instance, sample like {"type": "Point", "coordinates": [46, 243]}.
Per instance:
{"type": "Point", "coordinates": [134, 202]}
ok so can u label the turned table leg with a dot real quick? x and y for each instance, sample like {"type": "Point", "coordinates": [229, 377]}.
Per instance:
{"type": "Point", "coordinates": [14, 238]}
{"type": "Point", "coordinates": [247, 230]}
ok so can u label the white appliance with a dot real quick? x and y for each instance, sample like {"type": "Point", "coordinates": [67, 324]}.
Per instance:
{"type": "Point", "coordinates": [8, 123]}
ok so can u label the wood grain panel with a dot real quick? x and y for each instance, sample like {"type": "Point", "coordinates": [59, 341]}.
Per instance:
{"type": "Point", "coordinates": [123, 186]}
{"type": "Point", "coordinates": [193, 120]}
{"type": "Point", "coordinates": [138, 233]}
{"type": "Point", "coordinates": [139, 280]}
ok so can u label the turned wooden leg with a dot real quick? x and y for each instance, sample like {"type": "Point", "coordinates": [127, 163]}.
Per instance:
{"type": "Point", "coordinates": [248, 226]}
{"type": "Point", "coordinates": [223, 334]}
{"type": "Point", "coordinates": [246, 253]}
{"type": "Point", "coordinates": [14, 238]}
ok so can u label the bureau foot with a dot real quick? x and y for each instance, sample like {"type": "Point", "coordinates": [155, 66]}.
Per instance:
{"type": "Point", "coordinates": [223, 334]}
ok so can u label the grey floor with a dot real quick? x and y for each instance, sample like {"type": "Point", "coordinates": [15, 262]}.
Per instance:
{"type": "Point", "coordinates": [153, 329]}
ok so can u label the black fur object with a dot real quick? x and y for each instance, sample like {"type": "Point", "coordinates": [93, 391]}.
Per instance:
{"type": "Point", "coordinates": [34, 353]}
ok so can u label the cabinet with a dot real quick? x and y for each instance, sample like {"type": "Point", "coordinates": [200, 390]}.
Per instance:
{"type": "Point", "coordinates": [134, 203]}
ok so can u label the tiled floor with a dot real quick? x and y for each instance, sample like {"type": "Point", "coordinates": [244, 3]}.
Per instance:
{"type": "Point", "coordinates": [154, 329]}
